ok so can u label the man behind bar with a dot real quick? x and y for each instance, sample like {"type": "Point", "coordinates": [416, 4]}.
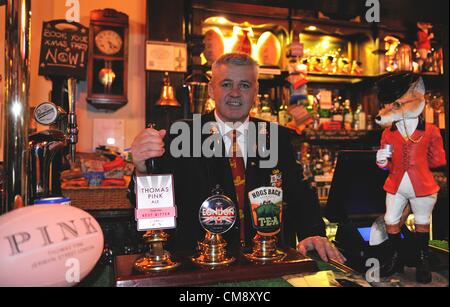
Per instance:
{"type": "Point", "coordinates": [234, 86]}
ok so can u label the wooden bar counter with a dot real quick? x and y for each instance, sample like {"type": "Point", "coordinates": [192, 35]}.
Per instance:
{"type": "Point", "coordinates": [189, 274]}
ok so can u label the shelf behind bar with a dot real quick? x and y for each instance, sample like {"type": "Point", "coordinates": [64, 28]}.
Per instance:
{"type": "Point", "coordinates": [336, 78]}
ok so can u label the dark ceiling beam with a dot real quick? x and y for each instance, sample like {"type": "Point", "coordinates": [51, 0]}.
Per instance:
{"type": "Point", "coordinates": [407, 10]}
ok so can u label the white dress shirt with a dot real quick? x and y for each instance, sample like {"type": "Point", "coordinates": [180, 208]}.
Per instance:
{"type": "Point", "coordinates": [225, 130]}
{"type": "Point", "coordinates": [411, 126]}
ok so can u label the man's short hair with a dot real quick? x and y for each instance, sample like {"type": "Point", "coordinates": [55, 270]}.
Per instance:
{"type": "Point", "coordinates": [240, 59]}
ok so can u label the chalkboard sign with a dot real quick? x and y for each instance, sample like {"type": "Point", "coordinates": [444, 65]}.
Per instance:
{"type": "Point", "coordinates": [64, 49]}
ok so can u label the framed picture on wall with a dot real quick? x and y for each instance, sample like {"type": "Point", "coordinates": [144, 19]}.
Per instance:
{"type": "Point", "coordinates": [166, 56]}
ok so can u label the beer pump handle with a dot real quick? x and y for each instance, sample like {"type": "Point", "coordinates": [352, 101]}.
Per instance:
{"type": "Point", "coordinates": [72, 128]}
{"type": "Point", "coordinates": [150, 163]}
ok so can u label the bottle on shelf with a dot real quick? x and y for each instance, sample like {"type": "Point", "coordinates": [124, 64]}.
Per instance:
{"type": "Point", "coordinates": [307, 173]}
{"type": "Point", "coordinates": [315, 113]}
{"type": "Point", "coordinates": [283, 114]}
{"type": "Point", "coordinates": [316, 121]}
{"type": "Point", "coordinates": [266, 109]}
{"type": "Point", "coordinates": [255, 111]}
{"type": "Point", "coordinates": [318, 167]}
{"type": "Point", "coordinates": [327, 165]}
{"type": "Point", "coordinates": [440, 61]}
{"type": "Point", "coordinates": [429, 114]}
{"type": "Point", "coordinates": [337, 114]}
{"type": "Point", "coordinates": [359, 119]}
{"type": "Point", "coordinates": [325, 113]}
{"type": "Point", "coordinates": [356, 123]}
{"type": "Point", "coordinates": [310, 105]}
{"type": "Point", "coordinates": [348, 115]}
{"type": "Point", "coordinates": [325, 105]}
{"type": "Point", "coordinates": [369, 124]}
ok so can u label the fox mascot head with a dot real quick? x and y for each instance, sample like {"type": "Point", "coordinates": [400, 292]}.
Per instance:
{"type": "Point", "coordinates": [401, 97]}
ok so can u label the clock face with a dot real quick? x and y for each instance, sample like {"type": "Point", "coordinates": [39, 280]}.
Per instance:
{"type": "Point", "coordinates": [108, 42]}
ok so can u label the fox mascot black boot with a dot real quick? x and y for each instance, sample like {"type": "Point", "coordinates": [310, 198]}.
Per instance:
{"type": "Point", "coordinates": [423, 271]}
{"type": "Point", "coordinates": [392, 263]}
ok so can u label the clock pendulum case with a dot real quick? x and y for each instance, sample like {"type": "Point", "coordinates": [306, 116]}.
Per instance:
{"type": "Point", "coordinates": [108, 59]}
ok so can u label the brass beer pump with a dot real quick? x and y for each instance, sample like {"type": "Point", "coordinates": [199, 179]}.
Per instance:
{"type": "Point", "coordinates": [157, 259]}
{"type": "Point", "coordinates": [217, 215]}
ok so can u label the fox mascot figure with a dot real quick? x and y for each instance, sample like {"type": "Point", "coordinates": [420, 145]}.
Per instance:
{"type": "Point", "coordinates": [415, 148]}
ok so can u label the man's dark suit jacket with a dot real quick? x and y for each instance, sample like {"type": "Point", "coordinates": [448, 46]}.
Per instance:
{"type": "Point", "coordinates": [195, 178]}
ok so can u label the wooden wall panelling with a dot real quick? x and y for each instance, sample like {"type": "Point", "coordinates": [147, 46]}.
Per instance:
{"type": "Point", "coordinates": [165, 21]}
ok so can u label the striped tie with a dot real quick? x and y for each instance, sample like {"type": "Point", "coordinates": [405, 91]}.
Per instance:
{"type": "Point", "coordinates": [238, 171]}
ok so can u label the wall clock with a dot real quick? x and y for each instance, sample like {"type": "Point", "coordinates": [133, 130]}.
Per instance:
{"type": "Point", "coordinates": [108, 59]}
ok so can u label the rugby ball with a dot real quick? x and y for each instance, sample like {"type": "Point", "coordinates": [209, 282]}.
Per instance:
{"type": "Point", "coordinates": [48, 245]}
{"type": "Point", "coordinates": [214, 45]}
{"type": "Point", "coordinates": [269, 49]}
